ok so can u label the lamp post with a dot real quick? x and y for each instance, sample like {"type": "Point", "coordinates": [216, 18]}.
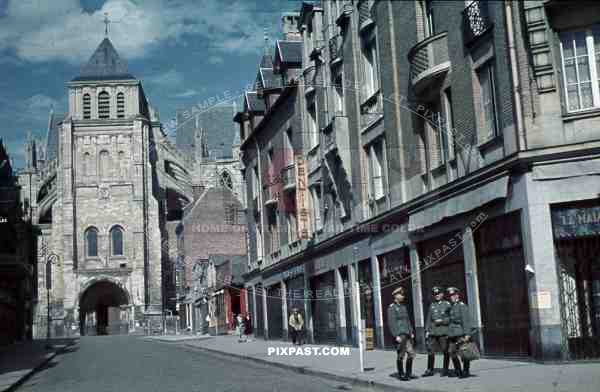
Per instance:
{"type": "Point", "coordinates": [49, 259]}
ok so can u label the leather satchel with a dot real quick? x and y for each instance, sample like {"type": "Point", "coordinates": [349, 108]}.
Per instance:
{"type": "Point", "coordinates": [469, 351]}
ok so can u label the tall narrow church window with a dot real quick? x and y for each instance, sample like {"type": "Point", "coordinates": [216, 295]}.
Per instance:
{"type": "Point", "coordinates": [103, 105]}
{"type": "Point", "coordinates": [122, 165]}
{"type": "Point", "coordinates": [91, 242]}
{"type": "Point", "coordinates": [86, 169]}
{"type": "Point", "coordinates": [103, 165]}
{"type": "Point", "coordinates": [87, 107]}
{"type": "Point", "coordinates": [120, 105]}
{"type": "Point", "coordinates": [116, 241]}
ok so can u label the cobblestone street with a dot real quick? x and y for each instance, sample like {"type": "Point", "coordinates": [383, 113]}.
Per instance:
{"type": "Point", "coordinates": [128, 363]}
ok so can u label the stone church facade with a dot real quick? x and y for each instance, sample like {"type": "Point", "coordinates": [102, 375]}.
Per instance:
{"type": "Point", "coordinates": [101, 188]}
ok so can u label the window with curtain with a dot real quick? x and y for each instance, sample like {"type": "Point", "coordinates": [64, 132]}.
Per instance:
{"type": "Point", "coordinates": [377, 173]}
{"type": "Point", "coordinates": [313, 133]}
{"type": "Point", "coordinates": [103, 105]}
{"type": "Point", "coordinates": [91, 242]}
{"type": "Point", "coordinates": [120, 105]}
{"type": "Point", "coordinates": [487, 126]}
{"type": "Point", "coordinates": [580, 51]}
{"type": "Point", "coordinates": [116, 241]}
{"type": "Point", "coordinates": [370, 67]}
{"type": "Point", "coordinates": [87, 106]}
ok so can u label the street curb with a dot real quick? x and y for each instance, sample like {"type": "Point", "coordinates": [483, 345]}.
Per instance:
{"type": "Point", "coordinates": [303, 370]}
{"type": "Point", "coordinates": [36, 369]}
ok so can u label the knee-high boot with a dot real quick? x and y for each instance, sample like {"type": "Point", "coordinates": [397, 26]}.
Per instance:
{"type": "Point", "coordinates": [446, 364]}
{"type": "Point", "coordinates": [466, 367]}
{"type": "Point", "coordinates": [408, 375]}
{"type": "Point", "coordinates": [400, 367]}
{"type": "Point", "coordinates": [457, 367]}
{"type": "Point", "coordinates": [430, 365]}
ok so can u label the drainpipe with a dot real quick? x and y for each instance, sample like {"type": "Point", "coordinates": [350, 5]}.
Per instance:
{"type": "Point", "coordinates": [521, 138]}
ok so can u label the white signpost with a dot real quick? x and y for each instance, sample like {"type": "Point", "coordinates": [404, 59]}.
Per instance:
{"type": "Point", "coordinates": [359, 327]}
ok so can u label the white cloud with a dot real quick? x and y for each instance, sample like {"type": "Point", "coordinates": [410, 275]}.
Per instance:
{"type": "Point", "coordinates": [40, 102]}
{"type": "Point", "coordinates": [169, 79]}
{"type": "Point", "coordinates": [43, 30]}
{"type": "Point", "coordinates": [215, 60]}
{"type": "Point", "coordinates": [186, 94]}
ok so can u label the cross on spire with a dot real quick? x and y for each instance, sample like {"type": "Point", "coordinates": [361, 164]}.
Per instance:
{"type": "Point", "coordinates": [106, 22]}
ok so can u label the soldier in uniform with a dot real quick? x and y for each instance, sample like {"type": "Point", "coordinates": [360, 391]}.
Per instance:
{"type": "Point", "coordinates": [436, 331]}
{"type": "Point", "coordinates": [460, 331]}
{"type": "Point", "coordinates": [402, 330]}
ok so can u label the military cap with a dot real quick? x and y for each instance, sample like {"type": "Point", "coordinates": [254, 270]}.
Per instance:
{"type": "Point", "coordinates": [437, 290]}
{"type": "Point", "coordinates": [399, 290]}
{"type": "Point", "coordinates": [452, 290]}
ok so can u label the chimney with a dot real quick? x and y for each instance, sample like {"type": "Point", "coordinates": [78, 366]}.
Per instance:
{"type": "Point", "coordinates": [289, 26]}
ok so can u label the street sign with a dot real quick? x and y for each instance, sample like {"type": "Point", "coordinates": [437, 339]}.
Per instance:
{"type": "Point", "coordinates": [370, 344]}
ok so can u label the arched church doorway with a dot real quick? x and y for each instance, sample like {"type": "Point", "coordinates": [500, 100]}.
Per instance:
{"type": "Point", "coordinates": [103, 309]}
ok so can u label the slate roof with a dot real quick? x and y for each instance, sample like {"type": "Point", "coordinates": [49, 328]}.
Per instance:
{"type": "Point", "coordinates": [105, 64]}
{"type": "Point", "coordinates": [54, 122]}
{"type": "Point", "coordinates": [253, 103]}
{"type": "Point", "coordinates": [290, 52]}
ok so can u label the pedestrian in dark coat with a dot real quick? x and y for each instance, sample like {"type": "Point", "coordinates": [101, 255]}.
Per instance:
{"type": "Point", "coordinates": [436, 331]}
{"type": "Point", "coordinates": [402, 330]}
{"type": "Point", "coordinates": [460, 331]}
{"type": "Point", "coordinates": [248, 325]}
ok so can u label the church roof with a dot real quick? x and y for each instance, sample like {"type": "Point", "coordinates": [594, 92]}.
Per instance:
{"type": "Point", "coordinates": [105, 64]}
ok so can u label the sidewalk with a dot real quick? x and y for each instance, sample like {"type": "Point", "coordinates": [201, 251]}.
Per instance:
{"type": "Point", "coordinates": [20, 360]}
{"type": "Point", "coordinates": [490, 374]}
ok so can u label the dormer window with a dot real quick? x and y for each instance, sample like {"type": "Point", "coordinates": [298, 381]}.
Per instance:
{"type": "Point", "coordinates": [87, 107]}
{"type": "Point", "coordinates": [103, 105]}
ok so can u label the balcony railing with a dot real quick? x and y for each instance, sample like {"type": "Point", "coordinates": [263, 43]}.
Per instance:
{"type": "Point", "coordinates": [476, 21]}
{"type": "Point", "coordinates": [335, 47]}
{"type": "Point", "coordinates": [429, 59]}
{"type": "Point", "coordinates": [288, 177]}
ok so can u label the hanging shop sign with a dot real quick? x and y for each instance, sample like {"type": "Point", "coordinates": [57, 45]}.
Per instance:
{"type": "Point", "coordinates": [302, 202]}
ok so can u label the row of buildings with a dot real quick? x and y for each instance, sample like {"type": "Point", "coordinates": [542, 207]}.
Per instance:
{"type": "Point", "coordinates": [423, 143]}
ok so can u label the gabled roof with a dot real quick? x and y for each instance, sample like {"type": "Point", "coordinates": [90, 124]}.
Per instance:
{"type": "Point", "coordinates": [289, 52]}
{"type": "Point", "coordinates": [252, 103]}
{"type": "Point", "coordinates": [54, 122]}
{"type": "Point", "coordinates": [105, 64]}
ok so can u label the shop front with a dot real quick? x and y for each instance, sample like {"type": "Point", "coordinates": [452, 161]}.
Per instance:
{"type": "Point", "coordinates": [294, 285]}
{"type": "Point", "coordinates": [576, 231]}
{"type": "Point", "coordinates": [394, 271]}
{"type": "Point", "coordinates": [367, 304]}
{"type": "Point", "coordinates": [442, 264]}
{"type": "Point", "coordinates": [275, 311]}
{"type": "Point", "coordinates": [324, 308]}
{"type": "Point", "coordinates": [503, 286]}
{"type": "Point", "coordinates": [260, 318]}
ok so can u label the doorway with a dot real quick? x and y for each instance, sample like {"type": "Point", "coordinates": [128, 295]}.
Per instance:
{"type": "Point", "coordinates": [102, 310]}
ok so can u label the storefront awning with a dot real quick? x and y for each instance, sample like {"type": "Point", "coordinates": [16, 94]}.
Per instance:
{"type": "Point", "coordinates": [459, 204]}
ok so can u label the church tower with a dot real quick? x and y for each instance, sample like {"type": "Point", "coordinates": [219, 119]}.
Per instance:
{"type": "Point", "coordinates": [105, 220]}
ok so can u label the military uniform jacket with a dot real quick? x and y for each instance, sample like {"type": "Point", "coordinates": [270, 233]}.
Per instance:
{"type": "Point", "coordinates": [438, 310]}
{"type": "Point", "coordinates": [398, 320]}
{"type": "Point", "coordinates": [460, 320]}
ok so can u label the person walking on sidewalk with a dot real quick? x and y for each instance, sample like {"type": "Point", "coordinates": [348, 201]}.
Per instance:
{"type": "Point", "coordinates": [241, 328]}
{"type": "Point", "coordinates": [460, 331]}
{"type": "Point", "coordinates": [436, 331]}
{"type": "Point", "coordinates": [296, 323]}
{"type": "Point", "coordinates": [402, 329]}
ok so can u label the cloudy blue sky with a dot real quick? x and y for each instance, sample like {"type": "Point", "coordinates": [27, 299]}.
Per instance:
{"type": "Point", "coordinates": [184, 51]}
